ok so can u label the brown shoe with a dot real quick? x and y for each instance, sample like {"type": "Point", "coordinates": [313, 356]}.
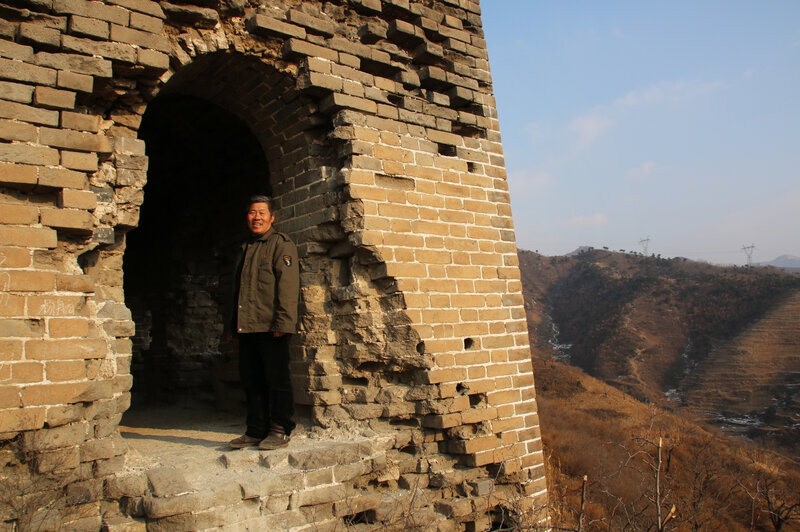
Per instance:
{"type": "Point", "coordinates": [274, 440]}
{"type": "Point", "coordinates": [243, 441]}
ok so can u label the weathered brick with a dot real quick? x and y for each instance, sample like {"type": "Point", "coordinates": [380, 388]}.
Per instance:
{"type": "Point", "coordinates": [142, 6]}
{"type": "Point", "coordinates": [63, 178]}
{"type": "Point", "coordinates": [16, 328]}
{"type": "Point", "coordinates": [75, 81]}
{"type": "Point", "coordinates": [16, 92]}
{"type": "Point", "coordinates": [267, 26]}
{"type": "Point", "coordinates": [80, 121]}
{"type": "Point", "coordinates": [79, 161]}
{"type": "Point", "coordinates": [17, 175]}
{"type": "Point", "coordinates": [92, 9]}
{"type": "Point", "coordinates": [93, 66]}
{"type": "Point", "coordinates": [22, 419]}
{"type": "Point", "coordinates": [10, 130]}
{"type": "Point", "coordinates": [26, 113]}
{"type": "Point", "coordinates": [65, 349]}
{"type": "Point", "coordinates": [15, 257]}
{"type": "Point", "coordinates": [152, 59]}
{"type": "Point", "coordinates": [65, 370]}
{"type": "Point", "coordinates": [10, 350]}
{"type": "Point", "coordinates": [124, 53]}
{"type": "Point", "coordinates": [54, 98]}
{"type": "Point", "coordinates": [146, 23]}
{"type": "Point", "coordinates": [18, 214]}
{"type": "Point", "coordinates": [39, 35]}
{"type": "Point", "coordinates": [69, 219]}
{"type": "Point", "coordinates": [140, 38]}
{"type": "Point", "coordinates": [12, 50]}
{"type": "Point", "coordinates": [25, 372]}
{"type": "Point", "coordinates": [77, 199]}
{"type": "Point", "coordinates": [75, 140]}
{"type": "Point", "coordinates": [88, 27]}
{"type": "Point", "coordinates": [294, 48]}
{"type": "Point", "coordinates": [67, 327]}
{"type": "Point", "coordinates": [338, 101]}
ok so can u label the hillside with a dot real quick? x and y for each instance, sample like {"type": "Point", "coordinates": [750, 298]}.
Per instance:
{"type": "Point", "coordinates": [721, 342]}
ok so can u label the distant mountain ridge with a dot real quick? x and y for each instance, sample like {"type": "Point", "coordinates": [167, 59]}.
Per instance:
{"type": "Point", "coordinates": [649, 326]}
{"type": "Point", "coordinates": [784, 261]}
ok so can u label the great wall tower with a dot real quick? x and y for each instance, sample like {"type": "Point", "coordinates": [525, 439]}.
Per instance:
{"type": "Point", "coordinates": [373, 124]}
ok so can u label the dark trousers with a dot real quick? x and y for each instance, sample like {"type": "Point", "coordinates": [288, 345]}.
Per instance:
{"type": "Point", "coordinates": [264, 371]}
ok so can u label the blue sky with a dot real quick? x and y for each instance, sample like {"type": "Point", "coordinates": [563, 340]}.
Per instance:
{"type": "Point", "coordinates": [678, 121]}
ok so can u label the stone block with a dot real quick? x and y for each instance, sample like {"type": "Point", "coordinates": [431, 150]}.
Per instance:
{"type": "Point", "coordinates": [39, 35]}
{"type": "Point", "coordinates": [167, 481]}
{"type": "Point", "coordinates": [75, 81]}
{"type": "Point", "coordinates": [16, 92]}
{"type": "Point", "coordinates": [26, 113]}
{"type": "Point", "coordinates": [337, 101]}
{"type": "Point", "coordinates": [54, 98]}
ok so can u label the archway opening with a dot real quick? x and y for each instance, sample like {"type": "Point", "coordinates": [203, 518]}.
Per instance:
{"type": "Point", "coordinates": [203, 164]}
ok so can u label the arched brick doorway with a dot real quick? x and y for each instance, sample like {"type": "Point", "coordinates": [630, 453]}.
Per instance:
{"type": "Point", "coordinates": [222, 128]}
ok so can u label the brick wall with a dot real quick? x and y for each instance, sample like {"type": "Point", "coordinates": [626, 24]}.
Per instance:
{"type": "Point", "coordinates": [379, 128]}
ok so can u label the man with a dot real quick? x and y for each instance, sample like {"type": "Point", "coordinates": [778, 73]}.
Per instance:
{"type": "Point", "coordinates": [266, 292]}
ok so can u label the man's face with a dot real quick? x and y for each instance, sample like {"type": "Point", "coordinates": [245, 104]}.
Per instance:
{"type": "Point", "coordinates": [259, 219]}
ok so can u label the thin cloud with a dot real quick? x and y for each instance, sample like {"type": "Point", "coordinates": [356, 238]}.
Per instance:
{"type": "Point", "coordinates": [590, 127]}
{"type": "Point", "coordinates": [588, 222]}
{"type": "Point", "coordinates": [671, 92]}
{"type": "Point", "coordinates": [641, 172]}
{"type": "Point", "coordinates": [530, 181]}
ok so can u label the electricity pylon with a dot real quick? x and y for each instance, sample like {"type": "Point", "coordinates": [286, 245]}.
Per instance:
{"type": "Point", "coordinates": [644, 243]}
{"type": "Point", "coordinates": [748, 250]}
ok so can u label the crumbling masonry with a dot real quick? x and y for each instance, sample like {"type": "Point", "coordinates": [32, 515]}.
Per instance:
{"type": "Point", "coordinates": [373, 124]}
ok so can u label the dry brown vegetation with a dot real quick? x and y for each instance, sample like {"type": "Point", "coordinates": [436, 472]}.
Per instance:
{"type": "Point", "coordinates": [633, 322]}
{"type": "Point", "coordinates": [715, 482]}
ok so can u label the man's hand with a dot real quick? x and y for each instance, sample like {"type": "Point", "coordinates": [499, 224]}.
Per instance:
{"type": "Point", "coordinates": [277, 334]}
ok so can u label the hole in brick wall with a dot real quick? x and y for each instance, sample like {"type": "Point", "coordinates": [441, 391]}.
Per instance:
{"type": "Point", "coordinates": [203, 164]}
{"type": "Point", "coordinates": [469, 343]}
{"type": "Point", "coordinates": [471, 167]}
{"type": "Point", "coordinates": [476, 399]}
{"type": "Point", "coordinates": [461, 387]}
{"type": "Point", "coordinates": [448, 150]}
{"type": "Point", "coordinates": [354, 381]}
{"type": "Point", "coordinates": [421, 348]}
{"type": "Point", "coordinates": [359, 518]}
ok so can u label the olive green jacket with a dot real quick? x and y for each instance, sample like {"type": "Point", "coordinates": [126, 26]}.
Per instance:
{"type": "Point", "coordinates": [268, 289]}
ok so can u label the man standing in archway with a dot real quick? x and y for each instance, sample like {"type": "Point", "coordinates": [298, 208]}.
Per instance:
{"type": "Point", "coordinates": [266, 293]}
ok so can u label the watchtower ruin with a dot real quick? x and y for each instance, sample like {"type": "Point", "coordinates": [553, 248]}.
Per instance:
{"type": "Point", "coordinates": [130, 133]}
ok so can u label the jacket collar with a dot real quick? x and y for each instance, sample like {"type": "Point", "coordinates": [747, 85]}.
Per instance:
{"type": "Point", "coordinates": [261, 238]}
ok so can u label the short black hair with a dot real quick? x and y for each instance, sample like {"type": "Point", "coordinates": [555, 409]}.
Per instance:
{"type": "Point", "coordinates": [261, 198]}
